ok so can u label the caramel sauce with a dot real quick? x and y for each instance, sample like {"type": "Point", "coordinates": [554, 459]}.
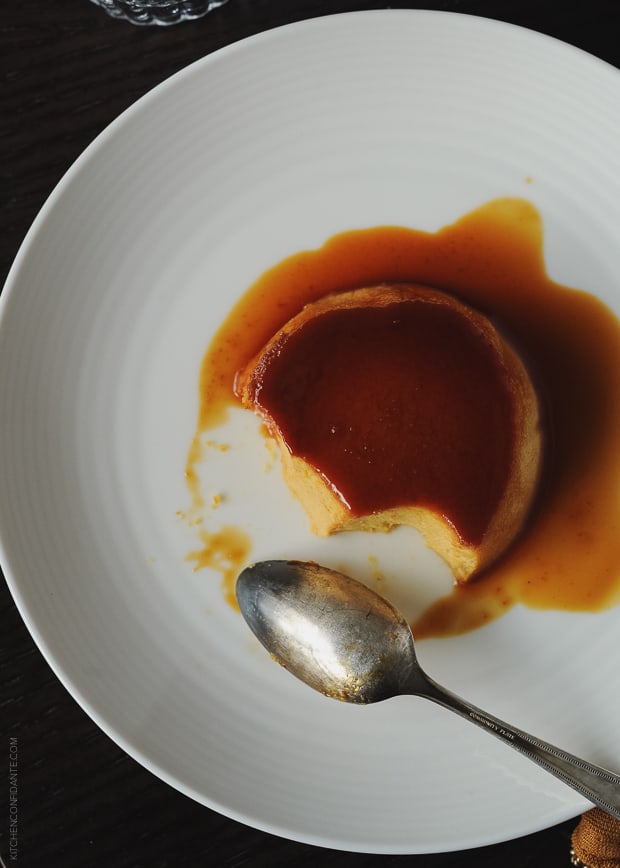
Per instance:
{"type": "Point", "coordinates": [430, 379]}
{"type": "Point", "coordinates": [568, 557]}
{"type": "Point", "coordinates": [225, 551]}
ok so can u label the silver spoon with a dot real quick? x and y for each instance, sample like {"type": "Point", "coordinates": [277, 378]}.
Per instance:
{"type": "Point", "coordinates": [347, 642]}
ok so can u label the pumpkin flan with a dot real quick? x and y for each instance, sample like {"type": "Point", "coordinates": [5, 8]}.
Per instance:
{"type": "Point", "coordinates": [400, 405]}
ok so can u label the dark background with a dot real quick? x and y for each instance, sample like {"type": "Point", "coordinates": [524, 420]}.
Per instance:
{"type": "Point", "coordinates": [67, 70]}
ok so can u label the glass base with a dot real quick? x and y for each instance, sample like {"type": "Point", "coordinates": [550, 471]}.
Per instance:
{"type": "Point", "coordinates": [162, 13]}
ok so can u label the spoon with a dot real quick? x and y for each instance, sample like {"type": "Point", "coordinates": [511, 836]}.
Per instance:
{"type": "Point", "coordinates": [347, 642]}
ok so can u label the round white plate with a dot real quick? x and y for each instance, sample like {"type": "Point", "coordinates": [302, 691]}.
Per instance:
{"type": "Point", "coordinates": [263, 149]}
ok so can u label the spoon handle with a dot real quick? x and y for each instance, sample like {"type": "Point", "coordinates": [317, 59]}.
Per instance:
{"type": "Point", "coordinates": [597, 784]}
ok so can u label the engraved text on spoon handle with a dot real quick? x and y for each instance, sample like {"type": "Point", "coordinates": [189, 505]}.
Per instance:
{"type": "Point", "coordinates": [598, 785]}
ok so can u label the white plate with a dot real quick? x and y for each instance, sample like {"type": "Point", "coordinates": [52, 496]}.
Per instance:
{"type": "Point", "coordinates": [263, 149]}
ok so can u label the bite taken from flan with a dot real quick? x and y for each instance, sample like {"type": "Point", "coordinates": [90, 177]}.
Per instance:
{"type": "Point", "coordinates": [400, 405]}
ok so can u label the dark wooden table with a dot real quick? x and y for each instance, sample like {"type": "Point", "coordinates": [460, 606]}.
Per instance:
{"type": "Point", "coordinates": [67, 71]}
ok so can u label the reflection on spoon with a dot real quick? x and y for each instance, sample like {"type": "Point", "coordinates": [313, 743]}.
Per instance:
{"type": "Point", "coordinates": [349, 643]}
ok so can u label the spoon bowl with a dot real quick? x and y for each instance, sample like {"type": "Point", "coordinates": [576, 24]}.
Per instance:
{"type": "Point", "coordinates": [329, 630]}
{"type": "Point", "coordinates": [349, 643]}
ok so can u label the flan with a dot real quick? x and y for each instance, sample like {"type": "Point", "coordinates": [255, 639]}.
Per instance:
{"type": "Point", "coordinates": [400, 405]}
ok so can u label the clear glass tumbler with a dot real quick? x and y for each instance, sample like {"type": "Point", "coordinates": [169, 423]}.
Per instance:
{"type": "Point", "coordinates": [158, 11]}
